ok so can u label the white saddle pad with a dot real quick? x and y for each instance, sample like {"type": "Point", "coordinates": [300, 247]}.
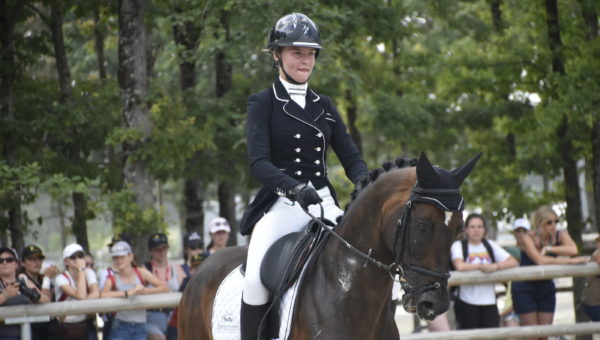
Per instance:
{"type": "Point", "coordinates": [227, 304]}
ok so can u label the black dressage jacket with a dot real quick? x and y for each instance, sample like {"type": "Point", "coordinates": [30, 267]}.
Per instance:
{"type": "Point", "coordinates": [287, 145]}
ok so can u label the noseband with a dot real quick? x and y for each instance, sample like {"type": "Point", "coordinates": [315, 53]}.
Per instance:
{"type": "Point", "coordinates": [395, 269]}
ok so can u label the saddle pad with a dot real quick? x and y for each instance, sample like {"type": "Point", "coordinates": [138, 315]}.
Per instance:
{"type": "Point", "coordinates": [227, 304]}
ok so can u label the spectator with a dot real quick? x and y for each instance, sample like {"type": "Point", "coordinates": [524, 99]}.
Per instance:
{"type": "Point", "coordinates": [13, 291]}
{"type": "Point", "coordinates": [195, 261]}
{"type": "Point", "coordinates": [192, 245]}
{"type": "Point", "coordinates": [170, 274]}
{"type": "Point", "coordinates": [76, 283]}
{"type": "Point", "coordinates": [475, 306]}
{"type": "Point", "coordinates": [32, 258]}
{"type": "Point", "coordinates": [219, 235]}
{"type": "Point", "coordinates": [590, 297]}
{"type": "Point", "coordinates": [129, 280]}
{"type": "Point", "coordinates": [535, 301]}
{"type": "Point", "coordinates": [102, 276]}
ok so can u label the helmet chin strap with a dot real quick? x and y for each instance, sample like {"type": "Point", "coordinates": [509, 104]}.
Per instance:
{"type": "Point", "coordinates": [287, 76]}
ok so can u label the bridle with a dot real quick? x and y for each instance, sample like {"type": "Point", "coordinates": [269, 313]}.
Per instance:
{"type": "Point", "coordinates": [395, 269]}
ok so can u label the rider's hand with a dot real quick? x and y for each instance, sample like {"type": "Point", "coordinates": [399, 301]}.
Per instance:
{"type": "Point", "coordinates": [305, 195]}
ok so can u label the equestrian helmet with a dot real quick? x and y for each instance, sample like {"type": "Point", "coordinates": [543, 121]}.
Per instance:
{"type": "Point", "coordinates": [295, 29]}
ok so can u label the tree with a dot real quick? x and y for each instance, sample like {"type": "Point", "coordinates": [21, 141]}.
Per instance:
{"type": "Point", "coordinates": [133, 80]}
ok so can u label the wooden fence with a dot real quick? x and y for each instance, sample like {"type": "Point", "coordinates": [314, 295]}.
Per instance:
{"type": "Point", "coordinates": [31, 313]}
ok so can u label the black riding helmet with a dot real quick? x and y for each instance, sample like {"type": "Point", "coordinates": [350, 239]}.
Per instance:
{"type": "Point", "coordinates": [294, 29]}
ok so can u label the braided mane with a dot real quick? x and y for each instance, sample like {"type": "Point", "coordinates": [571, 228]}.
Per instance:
{"type": "Point", "coordinates": [399, 163]}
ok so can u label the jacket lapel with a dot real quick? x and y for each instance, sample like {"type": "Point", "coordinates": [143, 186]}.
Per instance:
{"type": "Point", "coordinates": [309, 114]}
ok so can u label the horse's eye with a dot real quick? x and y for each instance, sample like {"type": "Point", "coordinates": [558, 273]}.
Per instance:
{"type": "Point", "coordinates": [421, 226]}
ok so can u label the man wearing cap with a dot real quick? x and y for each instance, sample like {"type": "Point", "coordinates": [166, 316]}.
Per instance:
{"type": "Point", "coordinates": [76, 283]}
{"type": "Point", "coordinates": [219, 235]}
{"type": "Point", "coordinates": [169, 273]}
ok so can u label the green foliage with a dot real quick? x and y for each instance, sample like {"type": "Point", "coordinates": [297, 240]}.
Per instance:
{"type": "Point", "coordinates": [130, 217]}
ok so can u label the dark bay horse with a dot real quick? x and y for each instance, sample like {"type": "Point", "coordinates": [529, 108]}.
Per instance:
{"type": "Point", "coordinates": [402, 222]}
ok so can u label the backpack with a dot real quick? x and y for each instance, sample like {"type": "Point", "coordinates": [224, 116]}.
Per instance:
{"type": "Point", "coordinates": [112, 279]}
{"type": "Point", "coordinates": [465, 250]}
{"type": "Point", "coordinates": [454, 291]}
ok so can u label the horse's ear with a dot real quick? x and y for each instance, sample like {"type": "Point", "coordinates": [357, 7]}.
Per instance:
{"type": "Point", "coordinates": [425, 171]}
{"type": "Point", "coordinates": [461, 173]}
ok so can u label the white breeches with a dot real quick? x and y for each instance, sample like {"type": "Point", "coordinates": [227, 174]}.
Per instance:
{"type": "Point", "coordinates": [284, 217]}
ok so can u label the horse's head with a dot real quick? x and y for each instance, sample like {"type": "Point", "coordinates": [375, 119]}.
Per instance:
{"type": "Point", "coordinates": [424, 232]}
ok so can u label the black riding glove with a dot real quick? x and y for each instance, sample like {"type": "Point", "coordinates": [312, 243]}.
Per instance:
{"type": "Point", "coordinates": [304, 195]}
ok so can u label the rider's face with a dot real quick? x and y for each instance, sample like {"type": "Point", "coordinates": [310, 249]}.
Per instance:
{"type": "Point", "coordinates": [298, 62]}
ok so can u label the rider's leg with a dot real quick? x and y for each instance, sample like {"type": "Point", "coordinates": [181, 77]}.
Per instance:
{"type": "Point", "coordinates": [284, 217]}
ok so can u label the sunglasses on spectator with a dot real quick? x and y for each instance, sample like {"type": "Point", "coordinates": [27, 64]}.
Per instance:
{"type": "Point", "coordinates": [77, 255]}
{"type": "Point", "coordinates": [7, 259]}
{"type": "Point", "coordinates": [35, 258]}
{"type": "Point", "coordinates": [194, 247]}
{"type": "Point", "coordinates": [552, 221]}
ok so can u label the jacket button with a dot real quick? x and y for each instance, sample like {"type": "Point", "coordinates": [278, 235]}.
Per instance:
{"type": "Point", "coordinates": [297, 160]}
{"type": "Point", "coordinates": [297, 149]}
{"type": "Point", "coordinates": [317, 162]}
{"type": "Point", "coordinates": [319, 135]}
{"type": "Point", "coordinates": [298, 172]}
{"type": "Point", "coordinates": [297, 136]}
{"type": "Point", "coordinates": [318, 148]}
{"type": "Point", "coordinates": [318, 173]}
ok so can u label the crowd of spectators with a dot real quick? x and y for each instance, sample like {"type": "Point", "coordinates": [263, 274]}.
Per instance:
{"type": "Point", "coordinates": [24, 279]}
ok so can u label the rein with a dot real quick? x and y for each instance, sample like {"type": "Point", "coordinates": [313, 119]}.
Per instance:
{"type": "Point", "coordinates": [395, 268]}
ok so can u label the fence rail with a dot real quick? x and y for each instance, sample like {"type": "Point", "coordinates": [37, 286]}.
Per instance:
{"type": "Point", "coordinates": [166, 300]}
{"type": "Point", "coordinates": [525, 273]}
{"type": "Point", "coordinates": [510, 332]}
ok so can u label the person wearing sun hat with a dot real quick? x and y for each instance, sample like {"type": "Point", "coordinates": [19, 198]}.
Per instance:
{"type": "Point", "coordinates": [76, 283]}
{"type": "Point", "coordinates": [219, 230]}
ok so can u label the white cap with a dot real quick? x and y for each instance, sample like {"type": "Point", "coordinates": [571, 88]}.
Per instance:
{"type": "Point", "coordinates": [120, 248]}
{"type": "Point", "coordinates": [521, 223]}
{"type": "Point", "coordinates": [218, 224]}
{"type": "Point", "coordinates": [72, 249]}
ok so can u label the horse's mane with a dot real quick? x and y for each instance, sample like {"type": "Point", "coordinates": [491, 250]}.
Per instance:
{"type": "Point", "coordinates": [399, 163]}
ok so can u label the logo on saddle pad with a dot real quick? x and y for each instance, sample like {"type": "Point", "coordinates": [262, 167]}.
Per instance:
{"type": "Point", "coordinates": [227, 324]}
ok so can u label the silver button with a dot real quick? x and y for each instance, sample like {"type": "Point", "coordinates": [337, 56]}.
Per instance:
{"type": "Point", "coordinates": [317, 162]}
{"type": "Point", "coordinates": [318, 173]}
{"type": "Point", "coordinates": [319, 135]}
{"type": "Point", "coordinates": [297, 136]}
{"type": "Point", "coordinates": [297, 160]}
{"type": "Point", "coordinates": [298, 172]}
{"type": "Point", "coordinates": [297, 149]}
{"type": "Point", "coordinates": [318, 148]}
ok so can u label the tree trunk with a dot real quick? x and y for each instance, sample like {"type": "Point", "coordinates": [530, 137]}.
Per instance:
{"type": "Point", "coordinates": [566, 150]}
{"type": "Point", "coordinates": [590, 19]}
{"type": "Point", "coordinates": [224, 81]}
{"type": "Point", "coordinates": [9, 12]}
{"type": "Point", "coordinates": [79, 220]}
{"type": "Point", "coordinates": [352, 113]}
{"type": "Point", "coordinates": [79, 226]}
{"type": "Point", "coordinates": [187, 34]}
{"type": "Point", "coordinates": [227, 208]}
{"type": "Point", "coordinates": [133, 80]}
{"type": "Point", "coordinates": [99, 44]}
{"type": "Point", "coordinates": [194, 205]}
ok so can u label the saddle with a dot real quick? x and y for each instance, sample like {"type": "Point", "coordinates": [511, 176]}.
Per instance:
{"type": "Point", "coordinates": [283, 263]}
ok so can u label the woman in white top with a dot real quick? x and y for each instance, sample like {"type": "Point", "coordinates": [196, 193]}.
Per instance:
{"type": "Point", "coordinates": [76, 283]}
{"type": "Point", "coordinates": [475, 306]}
{"type": "Point", "coordinates": [124, 280]}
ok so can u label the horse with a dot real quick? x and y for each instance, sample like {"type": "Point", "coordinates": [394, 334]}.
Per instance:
{"type": "Point", "coordinates": [400, 224]}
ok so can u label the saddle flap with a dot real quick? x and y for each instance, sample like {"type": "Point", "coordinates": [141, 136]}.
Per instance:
{"type": "Point", "coordinates": [284, 259]}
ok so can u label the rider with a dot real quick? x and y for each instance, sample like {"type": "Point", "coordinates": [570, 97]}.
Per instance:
{"type": "Point", "coordinates": [289, 129]}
